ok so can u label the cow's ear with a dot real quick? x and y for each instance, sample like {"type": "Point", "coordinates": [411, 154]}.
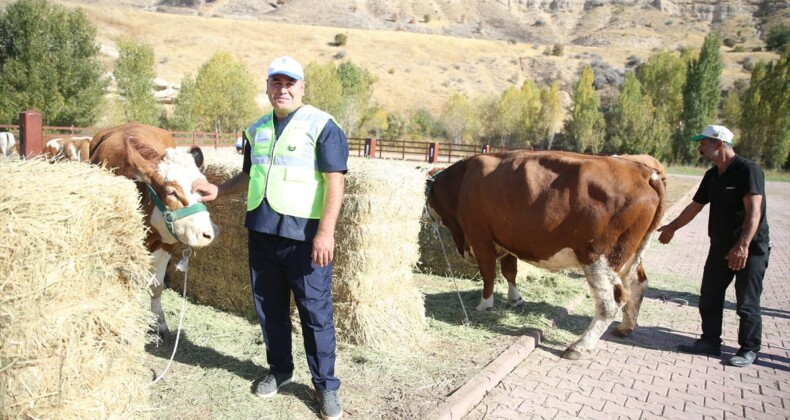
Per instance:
{"type": "Point", "coordinates": [197, 154]}
{"type": "Point", "coordinates": [142, 159]}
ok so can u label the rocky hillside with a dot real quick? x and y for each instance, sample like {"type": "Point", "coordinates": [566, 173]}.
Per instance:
{"type": "Point", "coordinates": [423, 51]}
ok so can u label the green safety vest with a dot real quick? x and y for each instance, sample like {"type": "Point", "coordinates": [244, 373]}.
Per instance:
{"type": "Point", "coordinates": [285, 169]}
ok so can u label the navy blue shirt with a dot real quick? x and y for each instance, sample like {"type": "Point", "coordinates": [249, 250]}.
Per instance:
{"type": "Point", "coordinates": [725, 193]}
{"type": "Point", "coordinates": [332, 156]}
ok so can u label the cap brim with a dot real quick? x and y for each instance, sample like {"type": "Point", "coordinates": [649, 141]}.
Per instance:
{"type": "Point", "coordinates": [289, 74]}
{"type": "Point", "coordinates": [698, 137]}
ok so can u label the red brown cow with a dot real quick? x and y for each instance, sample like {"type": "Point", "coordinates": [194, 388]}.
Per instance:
{"type": "Point", "coordinates": [75, 149]}
{"type": "Point", "coordinates": [164, 177]}
{"type": "Point", "coordinates": [556, 210]}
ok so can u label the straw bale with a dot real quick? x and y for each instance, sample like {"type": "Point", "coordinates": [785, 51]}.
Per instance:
{"type": "Point", "coordinates": [432, 257]}
{"type": "Point", "coordinates": [376, 301]}
{"type": "Point", "coordinates": [72, 323]}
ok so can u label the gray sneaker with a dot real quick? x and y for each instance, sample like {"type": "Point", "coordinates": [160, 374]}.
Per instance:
{"type": "Point", "coordinates": [331, 409]}
{"type": "Point", "coordinates": [269, 385]}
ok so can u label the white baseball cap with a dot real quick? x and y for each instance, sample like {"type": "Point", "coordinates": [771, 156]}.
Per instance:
{"type": "Point", "coordinates": [718, 132]}
{"type": "Point", "coordinates": [288, 66]}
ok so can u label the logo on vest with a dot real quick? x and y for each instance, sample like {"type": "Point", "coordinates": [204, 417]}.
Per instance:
{"type": "Point", "coordinates": [291, 148]}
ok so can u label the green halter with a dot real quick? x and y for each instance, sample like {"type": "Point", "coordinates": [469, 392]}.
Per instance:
{"type": "Point", "coordinates": [171, 216]}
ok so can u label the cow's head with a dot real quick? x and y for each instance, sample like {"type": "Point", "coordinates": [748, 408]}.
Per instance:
{"type": "Point", "coordinates": [177, 216]}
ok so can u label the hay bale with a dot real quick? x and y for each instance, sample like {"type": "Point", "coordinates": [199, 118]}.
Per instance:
{"type": "Point", "coordinates": [432, 255]}
{"type": "Point", "coordinates": [219, 274]}
{"type": "Point", "coordinates": [376, 301]}
{"type": "Point", "coordinates": [74, 267]}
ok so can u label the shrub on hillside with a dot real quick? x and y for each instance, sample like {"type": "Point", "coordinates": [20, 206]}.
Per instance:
{"type": "Point", "coordinates": [558, 50]}
{"type": "Point", "coordinates": [340, 40]}
{"type": "Point", "coordinates": [778, 38]}
{"type": "Point", "coordinates": [729, 42]}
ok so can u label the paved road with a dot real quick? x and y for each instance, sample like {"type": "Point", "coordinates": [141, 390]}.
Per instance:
{"type": "Point", "coordinates": [643, 377]}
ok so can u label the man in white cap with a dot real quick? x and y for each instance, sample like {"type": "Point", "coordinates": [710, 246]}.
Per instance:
{"type": "Point", "coordinates": [739, 244]}
{"type": "Point", "coordinates": [295, 158]}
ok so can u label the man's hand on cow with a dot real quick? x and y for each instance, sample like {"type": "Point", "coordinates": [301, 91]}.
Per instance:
{"type": "Point", "coordinates": [207, 190]}
{"type": "Point", "coordinates": [323, 249]}
{"type": "Point", "coordinates": [667, 233]}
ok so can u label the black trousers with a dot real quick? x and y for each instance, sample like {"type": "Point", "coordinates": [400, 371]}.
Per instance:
{"type": "Point", "coordinates": [748, 288]}
{"type": "Point", "coordinates": [281, 266]}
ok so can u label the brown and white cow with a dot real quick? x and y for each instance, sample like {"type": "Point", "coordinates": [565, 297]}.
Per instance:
{"type": "Point", "coordinates": [76, 148]}
{"type": "Point", "coordinates": [556, 210]}
{"type": "Point", "coordinates": [164, 177]}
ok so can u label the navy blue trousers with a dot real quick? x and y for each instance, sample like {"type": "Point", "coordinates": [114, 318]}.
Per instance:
{"type": "Point", "coordinates": [748, 288]}
{"type": "Point", "coordinates": [278, 267]}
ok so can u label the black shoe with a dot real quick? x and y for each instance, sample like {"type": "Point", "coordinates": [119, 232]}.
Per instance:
{"type": "Point", "coordinates": [269, 385]}
{"type": "Point", "coordinates": [701, 347]}
{"type": "Point", "coordinates": [743, 358]}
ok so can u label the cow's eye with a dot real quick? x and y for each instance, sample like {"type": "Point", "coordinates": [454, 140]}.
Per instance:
{"type": "Point", "coordinates": [170, 191]}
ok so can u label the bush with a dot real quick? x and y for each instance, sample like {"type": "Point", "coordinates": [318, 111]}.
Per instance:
{"type": "Point", "coordinates": [540, 22]}
{"type": "Point", "coordinates": [729, 42]}
{"type": "Point", "coordinates": [778, 37]}
{"type": "Point", "coordinates": [426, 18]}
{"type": "Point", "coordinates": [557, 50]}
{"type": "Point", "coordinates": [739, 49]}
{"type": "Point", "coordinates": [340, 39]}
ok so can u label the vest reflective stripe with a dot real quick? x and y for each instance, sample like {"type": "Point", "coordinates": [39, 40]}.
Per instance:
{"type": "Point", "coordinates": [285, 169]}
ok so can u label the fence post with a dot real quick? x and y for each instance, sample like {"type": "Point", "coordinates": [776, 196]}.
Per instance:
{"type": "Point", "coordinates": [216, 139]}
{"type": "Point", "coordinates": [31, 134]}
{"type": "Point", "coordinates": [370, 148]}
{"type": "Point", "coordinates": [433, 153]}
{"type": "Point", "coordinates": [486, 149]}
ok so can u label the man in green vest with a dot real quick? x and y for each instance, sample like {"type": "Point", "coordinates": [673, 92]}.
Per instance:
{"type": "Point", "coordinates": [295, 158]}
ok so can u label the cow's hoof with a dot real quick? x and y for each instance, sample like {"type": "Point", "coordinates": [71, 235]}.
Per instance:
{"type": "Point", "coordinates": [621, 333]}
{"type": "Point", "coordinates": [571, 354]}
{"type": "Point", "coordinates": [516, 303]}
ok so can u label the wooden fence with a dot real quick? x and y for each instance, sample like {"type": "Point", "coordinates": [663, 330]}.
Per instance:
{"type": "Point", "coordinates": [361, 147]}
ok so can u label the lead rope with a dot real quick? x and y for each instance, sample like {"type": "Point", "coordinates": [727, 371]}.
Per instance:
{"type": "Point", "coordinates": [435, 229]}
{"type": "Point", "coordinates": [182, 266]}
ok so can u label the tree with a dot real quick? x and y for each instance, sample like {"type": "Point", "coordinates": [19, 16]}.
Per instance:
{"type": "Point", "coordinates": [586, 126]}
{"type": "Point", "coordinates": [633, 117]}
{"type": "Point", "coordinates": [48, 62]}
{"type": "Point", "coordinates": [183, 118]}
{"type": "Point", "coordinates": [549, 115]}
{"type": "Point", "coordinates": [324, 89]}
{"type": "Point", "coordinates": [531, 96]}
{"type": "Point", "coordinates": [662, 77]}
{"type": "Point", "coordinates": [506, 122]}
{"type": "Point", "coordinates": [357, 91]}
{"type": "Point", "coordinates": [778, 38]}
{"type": "Point", "coordinates": [765, 128]}
{"type": "Point", "coordinates": [459, 119]}
{"type": "Point", "coordinates": [224, 95]}
{"type": "Point", "coordinates": [701, 96]}
{"type": "Point", "coordinates": [134, 74]}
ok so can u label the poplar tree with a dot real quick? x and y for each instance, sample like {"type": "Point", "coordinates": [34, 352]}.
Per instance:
{"type": "Point", "coordinates": [49, 62]}
{"type": "Point", "coordinates": [134, 75]}
{"type": "Point", "coordinates": [506, 120]}
{"type": "Point", "coordinates": [701, 96]}
{"type": "Point", "coordinates": [548, 116]}
{"type": "Point", "coordinates": [586, 127]}
{"type": "Point", "coordinates": [633, 119]}
{"type": "Point", "coordinates": [459, 119]}
{"type": "Point", "coordinates": [662, 77]}
{"type": "Point", "coordinates": [765, 125]}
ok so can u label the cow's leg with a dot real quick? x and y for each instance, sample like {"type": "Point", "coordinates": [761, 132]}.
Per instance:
{"type": "Point", "coordinates": [509, 266]}
{"type": "Point", "coordinates": [486, 263]}
{"type": "Point", "coordinates": [157, 284]}
{"type": "Point", "coordinates": [610, 296]}
{"type": "Point", "coordinates": [636, 280]}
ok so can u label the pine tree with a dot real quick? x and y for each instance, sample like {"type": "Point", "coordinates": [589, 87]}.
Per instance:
{"type": "Point", "coordinates": [586, 126]}
{"type": "Point", "coordinates": [701, 96]}
{"type": "Point", "coordinates": [49, 62]}
{"type": "Point", "coordinates": [134, 74]}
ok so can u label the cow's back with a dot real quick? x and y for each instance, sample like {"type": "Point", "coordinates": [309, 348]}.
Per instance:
{"type": "Point", "coordinates": [109, 146]}
{"type": "Point", "coordinates": [545, 202]}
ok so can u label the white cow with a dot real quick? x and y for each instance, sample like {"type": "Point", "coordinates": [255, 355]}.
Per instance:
{"type": "Point", "coordinates": [7, 144]}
